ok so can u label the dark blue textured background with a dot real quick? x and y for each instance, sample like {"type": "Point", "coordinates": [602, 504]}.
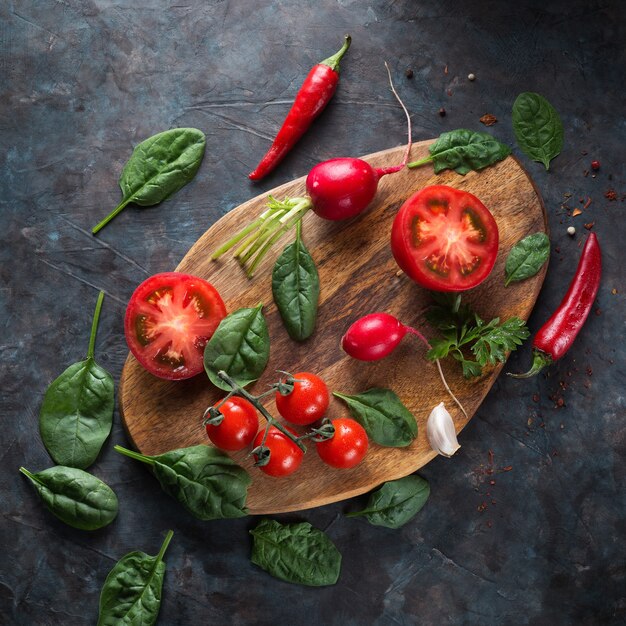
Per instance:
{"type": "Point", "coordinates": [82, 82]}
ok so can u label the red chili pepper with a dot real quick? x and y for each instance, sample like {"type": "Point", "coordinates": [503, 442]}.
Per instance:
{"type": "Point", "coordinates": [316, 91]}
{"type": "Point", "coordinates": [556, 336]}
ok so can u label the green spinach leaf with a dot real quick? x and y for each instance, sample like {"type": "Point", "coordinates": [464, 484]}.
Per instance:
{"type": "Point", "coordinates": [394, 503]}
{"type": "Point", "coordinates": [387, 421]}
{"type": "Point", "coordinates": [131, 595]}
{"type": "Point", "coordinates": [296, 288]}
{"type": "Point", "coordinates": [207, 482]}
{"type": "Point", "coordinates": [76, 497]}
{"type": "Point", "coordinates": [526, 257]}
{"type": "Point", "coordinates": [159, 167]}
{"type": "Point", "coordinates": [464, 150]}
{"type": "Point", "coordinates": [537, 127]}
{"type": "Point", "coordinates": [296, 553]}
{"type": "Point", "coordinates": [77, 411]}
{"type": "Point", "coordinates": [240, 346]}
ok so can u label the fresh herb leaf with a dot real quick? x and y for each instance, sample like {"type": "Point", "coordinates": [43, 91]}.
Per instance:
{"type": "Point", "coordinates": [76, 497]}
{"type": "Point", "coordinates": [386, 420]}
{"type": "Point", "coordinates": [396, 502]}
{"type": "Point", "coordinates": [131, 594]}
{"type": "Point", "coordinates": [464, 150]}
{"type": "Point", "coordinates": [296, 288]}
{"type": "Point", "coordinates": [77, 411]}
{"type": "Point", "coordinates": [159, 167]}
{"type": "Point", "coordinates": [527, 257]}
{"type": "Point", "coordinates": [537, 127]}
{"type": "Point", "coordinates": [296, 553]}
{"type": "Point", "coordinates": [463, 329]}
{"type": "Point", "coordinates": [207, 482]}
{"type": "Point", "coordinates": [240, 346]}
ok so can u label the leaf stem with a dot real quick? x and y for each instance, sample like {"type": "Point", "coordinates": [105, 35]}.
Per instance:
{"type": "Point", "coordinates": [29, 474]}
{"type": "Point", "coordinates": [118, 209]}
{"type": "Point", "coordinates": [421, 162]}
{"type": "Point", "coordinates": [166, 543]}
{"type": "Point", "coordinates": [94, 326]}
{"type": "Point", "coordinates": [134, 455]}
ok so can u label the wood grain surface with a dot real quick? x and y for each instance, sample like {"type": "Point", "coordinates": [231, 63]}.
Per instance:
{"type": "Point", "coordinates": [358, 275]}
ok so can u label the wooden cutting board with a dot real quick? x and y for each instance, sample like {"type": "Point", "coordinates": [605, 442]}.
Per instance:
{"type": "Point", "coordinates": [358, 275]}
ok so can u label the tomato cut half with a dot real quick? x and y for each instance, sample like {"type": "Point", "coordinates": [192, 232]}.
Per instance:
{"type": "Point", "coordinates": [445, 239]}
{"type": "Point", "coordinates": [169, 319]}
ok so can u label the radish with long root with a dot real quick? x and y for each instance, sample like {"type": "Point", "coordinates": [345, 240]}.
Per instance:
{"type": "Point", "coordinates": [337, 189]}
{"type": "Point", "coordinates": [377, 335]}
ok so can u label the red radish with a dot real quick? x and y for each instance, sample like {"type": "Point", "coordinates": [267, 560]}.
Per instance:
{"type": "Point", "coordinates": [337, 189]}
{"type": "Point", "coordinates": [373, 337]}
{"type": "Point", "coordinates": [377, 335]}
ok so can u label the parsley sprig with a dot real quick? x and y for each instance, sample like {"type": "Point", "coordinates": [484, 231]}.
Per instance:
{"type": "Point", "coordinates": [467, 338]}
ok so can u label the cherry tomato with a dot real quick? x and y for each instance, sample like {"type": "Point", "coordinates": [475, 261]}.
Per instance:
{"type": "Point", "coordinates": [347, 447]}
{"type": "Point", "coordinates": [445, 239]}
{"type": "Point", "coordinates": [169, 319]}
{"type": "Point", "coordinates": [307, 402]}
{"type": "Point", "coordinates": [285, 456]}
{"type": "Point", "coordinates": [236, 431]}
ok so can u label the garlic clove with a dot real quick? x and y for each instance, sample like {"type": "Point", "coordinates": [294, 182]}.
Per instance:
{"type": "Point", "coordinates": [441, 432]}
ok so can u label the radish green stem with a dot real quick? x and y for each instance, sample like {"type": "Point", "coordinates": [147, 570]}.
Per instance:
{"type": "Point", "coordinates": [236, 239]}
{"type": "Point", "coordinates": [423, 161]}
{"type": "Point", "coordinates": [408, 121]}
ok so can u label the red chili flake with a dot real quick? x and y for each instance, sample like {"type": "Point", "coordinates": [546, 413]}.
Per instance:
{"type": "Point", "coordinates": [576, 212]}
{"type": "Point", "coordinates": [587, 203]}
{"type": "Point", "coordinates": [555, 453]}
{"type": "Point", "coordinates": [492, 482]}
{"type": "Point", "coordinates": [610, 194]}
{"type": "Point", "coordinates": [488, 119]}
{"type": "Point", "coordinates": [449, 92]}
{"type": "Point", "coordinates": [490, 457]}
{"type": "Point", "coordinates": [595, 165]}
{"type": "Point", "coordinates": [560, 402]}
{"type": "Point", "coordinates": [536, 397]}
{"type": "Point", "coordinates": [598, 311]}
{"type": "Point", "coordinates": [445, 70]}
{"type": "Point", "coordinates": [508, 468]}
{"type": "Point", "coordinates": [589, 371]}
{"type": "Point", "coordinates": [529, 422]}
{"type": "Point", "coordinates": [589, 225]}
{"type": "Point", "coordinates": [489, 523]}
{"type": "Point", "coordinates": [493, 502]}
{"type": "Point", "coordinates": [482, 507]}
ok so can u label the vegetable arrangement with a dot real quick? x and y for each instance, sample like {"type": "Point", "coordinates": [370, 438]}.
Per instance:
{"type": "Point", "coordinates": [176, 325]}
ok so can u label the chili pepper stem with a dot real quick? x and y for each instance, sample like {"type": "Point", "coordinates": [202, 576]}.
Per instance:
{"type": "Point", "coordinates": [540, 360]}
{"type": "Point", "coordinates": [333, 61]}
{"type": "Point", "coordinates": [240, 391]}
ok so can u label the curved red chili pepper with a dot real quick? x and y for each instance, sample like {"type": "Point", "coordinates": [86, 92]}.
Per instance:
{"type": "Point", "coordinates": [316, 91]}
{"type": "Point", "coordinates": [556, 336]}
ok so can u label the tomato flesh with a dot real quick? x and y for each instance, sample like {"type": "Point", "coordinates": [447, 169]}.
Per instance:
{"type": "Point", "coordinates": [169, 319]}
{"type": "Point", "coordinates": [445, 239]}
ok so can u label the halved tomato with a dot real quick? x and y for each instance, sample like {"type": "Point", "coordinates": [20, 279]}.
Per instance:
{"type": "Point", "coordinates": [445, 239]}
{"type": "Point", "coordinates": [169, 319]}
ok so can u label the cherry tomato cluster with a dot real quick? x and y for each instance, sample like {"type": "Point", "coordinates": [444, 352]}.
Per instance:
{"type": "Point", "coordinates": [302, 399]}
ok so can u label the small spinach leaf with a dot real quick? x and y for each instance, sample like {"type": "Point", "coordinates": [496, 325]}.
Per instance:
{"type": "Point", "coordinates": [131, 594]}
{"type": "Point", "coordinates": [207, 482]}
{"type": "Point", "coordinates": [387, 421]}
{"type": "Point", "coordinates": [240, 346]}
{"type": "Point", "coordinates": [296, 289]}
{"type": "Point", "coordinates": [526, 257]}
{"type": "Point", "coordinates": [463, 150]}
{"type": "Point", "coordinates": [296, 553]}
{"type": "Point", "coordinates": [76, 497]}
{"type": "Point", "coordinates": [537, 127]}
{"type": "Point", "coordinates": [159, 167]}
{"type": "Point", "coordinates": [77, 411]}
{"type": "Point", "coordinates": [394, 503]}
